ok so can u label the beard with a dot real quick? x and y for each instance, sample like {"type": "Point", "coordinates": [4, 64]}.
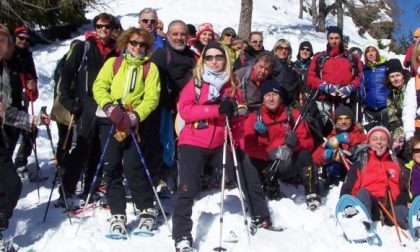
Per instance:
{"type": "Point", "coordinates": [177, 47]}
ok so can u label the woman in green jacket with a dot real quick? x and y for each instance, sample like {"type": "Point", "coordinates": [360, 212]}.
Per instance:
{"type": "Point", "coordinates": [127, 89]}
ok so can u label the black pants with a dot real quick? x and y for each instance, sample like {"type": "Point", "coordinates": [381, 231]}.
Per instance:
{"type": "Point", "coordinates": [24, 150]}
{"type": "Point", "coordinates": [84, 156]}
{"type": "Point", "coordinates": [63, 151]}
{"type": "Point", "coordinates": [122, 158]}
{"type": "Point", "coordinates": [191, 162]}
{"type": "Point", "coordinates": [251, 184]}
{"type": "Point", "coordinates": [10, 184]}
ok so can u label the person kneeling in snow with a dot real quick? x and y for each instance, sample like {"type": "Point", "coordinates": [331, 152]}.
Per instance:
{"type": "Point", "coordinates": [377, 180]}
{"type": "Point", "coordinates": [283, 151]}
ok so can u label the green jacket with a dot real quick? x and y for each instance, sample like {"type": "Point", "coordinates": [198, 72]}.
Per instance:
{"type": "Point", "coordinates": [231, 53]}
{"type": "Point", "coordinates": [143, 97]}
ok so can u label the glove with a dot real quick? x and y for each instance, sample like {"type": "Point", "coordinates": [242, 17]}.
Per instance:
{"type": "Point", "coordinates": [328, 154]}
{"type": "Point", "coordinates": [330, 89]}
{"type": "Point", "coordinates": [228, 107]}
{"type": "Point", "coordinates": [115, 113]}
{"type": "Point", "coordinates": [134, 118]}
{"type": "Point", "coordinates": [41, 119]}
{"type": "Point", "coordinates": [282, 153]}
{"type": "Point", "coordinates": [291, 139]}
{"type": "Point", "coordinates": [242, 109]}
{"type": "Point", "coordinates": [335, 141]}
{"type": "Point", "coordinates": [76, 107]}
{"type": "Point", "coordinates": [345, 91]}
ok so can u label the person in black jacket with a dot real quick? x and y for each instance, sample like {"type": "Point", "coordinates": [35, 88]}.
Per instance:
{"type": "Point", "coordinates": [81, 68]}
{"type": "Point", "coordinates": [23, 79]}
{"type": "Point", "coordinates": [175, 62]}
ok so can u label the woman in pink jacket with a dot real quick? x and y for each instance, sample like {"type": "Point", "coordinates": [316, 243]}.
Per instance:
{"type": "Point", "coordinates": [204, 103]}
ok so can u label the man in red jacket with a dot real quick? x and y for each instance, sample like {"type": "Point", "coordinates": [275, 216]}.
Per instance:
{"type": "Point", "coordinates": [340, 141]}
{"type": "Point", "coordinates": [335, 72]}
{"type": "Point", "coordinates": [274, 136]}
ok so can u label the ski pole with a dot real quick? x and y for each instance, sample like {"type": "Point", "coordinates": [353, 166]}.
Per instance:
{"type": "Point", "coordinates": [69, 128]}
{"type": "Point", "coordinates": [34, 148]}
{"type": "Point", "coordinates": [306, 109]}
{"type": "Point", "coordinates": [57, 174]}
{"type": "Point", "coordinates": [389, 215]}
{"type": "Point", "coordinates": [95, 177]}
{"type": "Point", "coordinates": [235, 164]}
{"type": "Point", "coordinates": [146, 170]}
{"type": "Point", "coordinates": [222, 186]}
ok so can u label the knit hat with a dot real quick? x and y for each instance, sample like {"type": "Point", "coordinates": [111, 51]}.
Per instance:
{"type": "Point", "coordinates": [191, 30]}
{"type": "Point", "coordinates": [202, 28]}
{"type": "Point", "coordinates": [22, 31]}
{"type": "Point", "coordinates": [343, 111]}
{"type": "Point", "coordinates": [4, 30]}
{"type": "Point", "coordinates": [417, 33]}
{"type": "Point", "coordinates": [356, 50]}
{"type": "Point", "coordinates": [379, 128]}
{"type": "Point", "coordinates": [228, 30]}
{"type": "Point", "coordinates": [306, 44]}
{"type": "Point", "coordinates": [270, 85]}
{"type": "Point", "coordinates": [394, 65]}
{"type": "Point", "coordinates": [215, 45]}
{"type": "Point", "coordinates": [334, 29]}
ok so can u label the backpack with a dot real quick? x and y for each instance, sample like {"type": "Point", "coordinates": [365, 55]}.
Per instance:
{"type": "Point", "coordinates": [323, 57]}
{"type": "Point", "coordinates": [117, 64]}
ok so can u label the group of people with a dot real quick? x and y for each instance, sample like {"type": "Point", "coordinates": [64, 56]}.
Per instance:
{"type": "Point", "coordinates": [325, 117]}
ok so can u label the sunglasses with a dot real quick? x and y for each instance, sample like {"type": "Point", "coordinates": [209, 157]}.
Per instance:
{"type": "Point", "coordinates": [257, 42]}
{"type": "Point", "coordinates": [230, 35]}
{"type": "Point", "coordinates": [23, 38]}
{"type": "Point", "coordinates": [285, 48]}
{"type": "Point", "coordinates": [100, 26]}
{"type": "Point", "coordinates": [218, 57]}
{"type": "Point", "coordinates": [146, 21]}
{"type": "Point", "coordinates": [137, 43]}
{"type": "Point", "coordinates": [305, 49]}
{"type": "Point", "coordinates": [415, 151]}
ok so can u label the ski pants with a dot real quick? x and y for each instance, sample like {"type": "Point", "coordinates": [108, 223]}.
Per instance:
{"type": "Point", "coordinates": [10, 184]}
{"type": "Point", "coordinates": [191, 163]}
{"type": "Point", "coordinates": [122, 160]}
{"type": "Point", "coordinates": [371, 203]}
{"type": "Point", "coordinates": [25, 149]}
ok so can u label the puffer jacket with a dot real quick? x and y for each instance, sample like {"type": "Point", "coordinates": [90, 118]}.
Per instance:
{"type": "Point", "coordinates": [193, 110]}
{"type": "Point", "coordinates": [374, 92]}
{"type": "Point", "coordinates": [128, 86]}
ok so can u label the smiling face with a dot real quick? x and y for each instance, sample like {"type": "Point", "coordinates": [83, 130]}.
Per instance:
{"type": "Point", "coordinates": [205, 37]}
{"type": "Point", "coordinates": [256, 42]}
{"type": "Point", "coordinates": [215, 60]}
{"type": "Point", "coordinates": [148, 21]}
{"type": "Point", "coordinates": [282, 51]}
{"type": "Point", "coordinates": [177, 36]}
{"type": "Point", "coordinates": [396, 79]}
{"type": "Point", "coordinates": [136, 45]}
{"type": "Point", "coordinates": [378, 142]}
{"type": "Point", "coordinates": [103, 29]}
{"type": "Point", "coordinates": [272, 101]}
{"type": "Point", "coordinates": [305, 53]}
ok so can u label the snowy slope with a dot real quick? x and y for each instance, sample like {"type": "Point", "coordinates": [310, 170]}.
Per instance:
{"type": "Point", "coordinates": [306, 231]}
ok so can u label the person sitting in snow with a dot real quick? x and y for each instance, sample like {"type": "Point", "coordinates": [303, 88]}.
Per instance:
{"type": "Point", "coordinates": [281, 143]}
{"type": "Point", "coordinates": [377, 180]}
{"type": "Point", "coordinates": [413, 168]}
{"type": "Point", "coordinates": [330, 154]}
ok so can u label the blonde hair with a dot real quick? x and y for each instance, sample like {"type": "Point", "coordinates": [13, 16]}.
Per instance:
{"type": "Point", "coordinates": [123, 40]}
{"type": "Point", "coordinates": [283, 42]}
{"type": "Point", "coordinates": [199, 70]}
{"type": "Point", "coordinates": [416, 53]}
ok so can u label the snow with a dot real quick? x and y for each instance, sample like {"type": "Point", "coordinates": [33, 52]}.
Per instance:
{"type": "Point", "coordinates": [306, 231]}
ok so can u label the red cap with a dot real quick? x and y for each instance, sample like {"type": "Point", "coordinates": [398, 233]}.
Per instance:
{"type": "Point", "coordinates": [202, 28]}
{"type": "Point", "coordinates": [22, 31]}
{"type": "Point", "coordinates": [379, 128]}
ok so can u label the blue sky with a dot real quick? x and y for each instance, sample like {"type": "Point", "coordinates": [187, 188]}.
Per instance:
{"type": "Point", "coordinates": [410, 20]}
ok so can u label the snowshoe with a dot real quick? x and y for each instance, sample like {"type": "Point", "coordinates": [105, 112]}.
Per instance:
{"type": "Point", "coordinates": [147, 224]}
{"type": "Point", "coordinates": [414, 218]}
{"type": "Point", "coordinates": [264, 223]}
{"type": "Point", "coordinates": [7, 245]}
{"type": "Point", "coordinates": [117, 229]}
{"type": "Point", "coordinates": [184, 244]}
{"type": "Point", "coordinates": [355, 221]}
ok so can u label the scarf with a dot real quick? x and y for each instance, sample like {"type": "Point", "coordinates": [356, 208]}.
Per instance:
{"type": "Point", "coordinates": [5, 90]}
{"type": "Point", "coordinates": [216, 81]}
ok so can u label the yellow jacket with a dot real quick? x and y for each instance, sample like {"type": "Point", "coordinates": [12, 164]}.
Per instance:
{"type": "Point", "coordinates": [128, 86]}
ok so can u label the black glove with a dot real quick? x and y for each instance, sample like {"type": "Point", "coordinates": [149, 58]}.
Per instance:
{"type": "Point", "coordinates": [76, 108]}
{"type": "Point", "coordinates": [291, 139]}
{"type": "Point", "coordinates": [228, 107]}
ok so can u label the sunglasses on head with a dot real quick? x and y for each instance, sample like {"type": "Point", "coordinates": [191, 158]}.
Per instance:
{"type": "Point", "coordinates": [137, 43]}
{"type": "Point", "coordinates": [257, 42]}
{"type": "Point", "coordinates": [230, 35]}
{"type": "Point", "coordinates": [305, 49]}
{"type": "Point", "coordinates": [23, 38]}
{"type": "Point", "coordinates": [100, 26]}
{"type": "Point", "coordinates": [218, 57]}
{"type": "Point", "coordinates": [146, 21]}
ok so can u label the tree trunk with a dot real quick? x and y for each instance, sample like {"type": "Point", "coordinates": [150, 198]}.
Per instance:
{"type": "Point", "coordinates": [314, 13]}
{"type": "Point", "coordinates": [321, 16]}
{"type": "Point", "coordinates": [245, 19]}
{"type": "Point", "coordinates": [340, 14]}
{"type": "Point", "coordinates": [301, 9]}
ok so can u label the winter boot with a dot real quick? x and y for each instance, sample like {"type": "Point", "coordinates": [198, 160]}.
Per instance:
{"type": "Point", "coordinates": [117, 228]}
{"type": "Point", "coordinates": [260, 222]}
{"type": "Point", "coordinates": [184, 244]}
{"type": "Point", "coordinates": [313, 201]}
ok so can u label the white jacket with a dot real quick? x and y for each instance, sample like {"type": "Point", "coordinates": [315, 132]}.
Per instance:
{"type": "Point", "coordinates": [409, 112]}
